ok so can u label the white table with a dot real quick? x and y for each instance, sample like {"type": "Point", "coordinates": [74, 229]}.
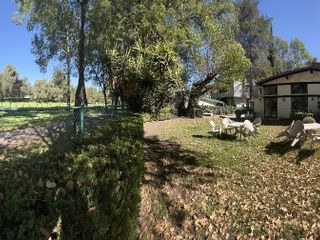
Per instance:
{"type": "Point", "coordinates": [238, 126]}
{"type": "Point", "coordinates": [307, 127]}
{"type": "Point", "coordinates": [311, 126]}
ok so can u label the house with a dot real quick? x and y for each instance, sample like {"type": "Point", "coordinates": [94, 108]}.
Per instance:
{"type": "Point", "coordinates": [237, 93]}
{"type": "Point", "coordinates": [293, 91]}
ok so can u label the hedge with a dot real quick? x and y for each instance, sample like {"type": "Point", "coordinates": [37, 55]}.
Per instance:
{"type": "Point", "coordinates": [89, 189]}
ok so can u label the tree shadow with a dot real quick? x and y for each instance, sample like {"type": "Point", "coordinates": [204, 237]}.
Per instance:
{"type": "Point", "coordinates": [279, 148]}
{"type": "Point", "coordinates": [169, 158]}
{"type": "Point", "coordinates": [304, 154]}
{"type": "Point", "coordinates": [223, 137]}
{"type": "Point", "coordinates": [284, 147]}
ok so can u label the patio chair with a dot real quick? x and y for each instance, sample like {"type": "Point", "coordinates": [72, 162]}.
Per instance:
{"type": "Point", "coordinates": [308, 119]}
{"type": "Point", "coordinates": [215, 130]}
{"type": "Point", "coordinates": [297, 133]}
{"type": "Point", "coordinates": [256, 123]}
{"type": "Point", "coordinates": [225, 125]}
{"type": "Point", "coordinates": [286, 132]}
{"type": "Point", "coordinates": [248, 129]}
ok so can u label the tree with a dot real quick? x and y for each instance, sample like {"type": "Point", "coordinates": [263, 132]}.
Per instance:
{"type": "Point", "coordinates": [299, 55]}
{"type": "Point", "coordinates": [11, 86]}
{"type": "Point", "coordinates": [289, 56]}
{"type": "Point", "coordinates": [149, 48]}
{"type": "Point", "coordinates": [44, 90]}
{"type": "Point", "coordinates": [255, 36]}
{"type": "Point", "coordinates": [9, 77]}
{"type": "Point", "coordinates": [59, 80]}
{"type": "Point", "coordinates": [62, 33]}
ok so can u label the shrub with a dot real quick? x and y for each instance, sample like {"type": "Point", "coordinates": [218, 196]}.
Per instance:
{"type": "Point", "coordinates": [302, 115]}
{"type": "Point", "coordinates": [88, 189]}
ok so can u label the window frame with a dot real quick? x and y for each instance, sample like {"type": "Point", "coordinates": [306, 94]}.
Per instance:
{"type": "Point", "coordinates": [300, 99]}
{"type": "Point", "coordinates": [299, 86]}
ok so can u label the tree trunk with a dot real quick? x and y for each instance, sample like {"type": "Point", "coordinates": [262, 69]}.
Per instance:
{"type": "Point", "coordinates": [197, 90]}
{"type": "Point", "coordinates": [104, 90]}
{"type": "Point", "coordinates": [68, 82]}
{"type": "Point", "coordinates": [81, 97]}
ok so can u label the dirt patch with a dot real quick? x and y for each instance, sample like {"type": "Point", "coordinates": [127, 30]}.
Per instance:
{"type": "Point", "coordinates": [19, 138]}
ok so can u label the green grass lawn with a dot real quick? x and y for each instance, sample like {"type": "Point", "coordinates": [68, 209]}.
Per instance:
{"type": "Point", "coordinates": [23, 114]}
{"type": "Point", "coordinates": [27, 104]}
{"type": "Point", "coordinates": [223, 188]}
{"type": "Point", "coordinates": [14, 119]}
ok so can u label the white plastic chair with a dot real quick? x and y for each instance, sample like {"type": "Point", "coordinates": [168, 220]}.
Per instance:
{"type": "Point", "coordinates": [225, 125]}
{"type": "Point", "coordinates": [257, 123]}
{"type": "Point", "coordinates": [215, 129]}
{"type": "Point", "coordinates": [248, 129]}
{"type": "Point", "coordinates": [297, 132]}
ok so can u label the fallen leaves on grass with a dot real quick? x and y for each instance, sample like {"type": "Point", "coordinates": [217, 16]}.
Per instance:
{"type": "Point", "coordinates": [231, 190]}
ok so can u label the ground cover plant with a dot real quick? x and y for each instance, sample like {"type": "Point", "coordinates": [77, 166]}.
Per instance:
{"type": "Point", "coordinates": [197, 186]}
{"type": "Point", "coordinates": [80, 189]}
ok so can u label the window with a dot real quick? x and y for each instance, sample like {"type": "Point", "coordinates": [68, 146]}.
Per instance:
{"type": "Point", "coordinates": [271, 90]}
{"type": "Point", "coordinates": [299, 88]}
{"type": "Point", "coordinates": [299, 104]}
{"type": "Point", "coordinates": [271, 107]}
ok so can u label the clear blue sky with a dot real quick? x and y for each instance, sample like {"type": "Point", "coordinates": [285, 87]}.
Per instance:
{"type": "Point", "coordinates": [291, 18]}
{"type": "Point", "coordinates": [295, 18]}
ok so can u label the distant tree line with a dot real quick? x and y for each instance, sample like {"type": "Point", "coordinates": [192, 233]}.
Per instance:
{"type": "Point", "coordinates": [12, 87]}
{"type": "Point", "coordinates": [151, 54]}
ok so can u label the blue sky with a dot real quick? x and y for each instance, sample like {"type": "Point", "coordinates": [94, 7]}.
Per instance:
{"type": "Point", "coordinates": [295, 18]}
{"type": "Point", "coordinates": [291, 18]}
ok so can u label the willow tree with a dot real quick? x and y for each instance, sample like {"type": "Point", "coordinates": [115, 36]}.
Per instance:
{"type": "Point", "coordinates": [61, 28]}
{"type": "Point", "coordinates": [153, 49]}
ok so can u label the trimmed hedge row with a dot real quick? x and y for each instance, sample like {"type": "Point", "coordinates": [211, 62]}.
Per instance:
{"type": "Point", "coordinates": [89, 189]}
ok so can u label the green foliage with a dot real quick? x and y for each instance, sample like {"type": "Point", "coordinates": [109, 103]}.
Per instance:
{"type": "Point", "coordinates": [93, 189]}
{"type": "Point", "coordinates": [11, 86]}
{"type": "Point", "coordinates": [302, 115]}
{"type": "Point", "coordinates": [289, 56]}
{"type": "Point", "coordinates": [255, 36]}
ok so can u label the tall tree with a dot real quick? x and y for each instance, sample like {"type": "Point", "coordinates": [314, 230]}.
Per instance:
{"type": "Point", "coordinates": [62, 33]}
{"type": "Point", "coordinates": [150, 47]}
{"type": "Point", "coordinates": [255, 37]}
{"type": "Point", "coordinates": [289, 56]}
{"type": "Point", "coordinates": [9, 77]}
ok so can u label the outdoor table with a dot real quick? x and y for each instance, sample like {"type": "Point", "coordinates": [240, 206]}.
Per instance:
{"type": "Point", "coordinates": [311, 126]}
{"type": "Point", "coordinates": [308, 128]}
{"type": "Point", "coordinates": [237, 126]}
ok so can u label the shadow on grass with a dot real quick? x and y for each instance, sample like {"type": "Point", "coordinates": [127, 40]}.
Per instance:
{"type": "Point", "coordinates": [284, 147]}
{"type": "Point", "coordinates": [223, 136]}
{"type": "Point", "coordinates": [167, 158]}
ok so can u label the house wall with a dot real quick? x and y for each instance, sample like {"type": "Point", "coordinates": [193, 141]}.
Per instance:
{"type": "Point", "coordinates": [259, 107]}
{"type": "Point", "coordinates": [314, 102]}
{"type": "Point", "coordinates": [284, 107]}
{"type": "Point", "coordinates": [284, 103]}
{"type": "Point", "coordinates": [284, 89]}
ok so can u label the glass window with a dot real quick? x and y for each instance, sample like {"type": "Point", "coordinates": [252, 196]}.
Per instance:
{"type": "Point", "coordinates": [271, 90]}
{"type": "Point", "coordinates": [299, 88]}
{"type": "Point", "coordinates": [299, 104]}
{"type": "Point", "coordinates": [271, 107]}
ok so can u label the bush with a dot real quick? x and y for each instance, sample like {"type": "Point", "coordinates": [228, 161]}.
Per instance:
{"type": "Point", "coordinates": [302, 115]}
{"type": "Point", "coordinates": [86, 190]}
{"type": "Point", "coordinates": [219, 110]}
{"type": "Point", "coordinates": [164, 114]}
